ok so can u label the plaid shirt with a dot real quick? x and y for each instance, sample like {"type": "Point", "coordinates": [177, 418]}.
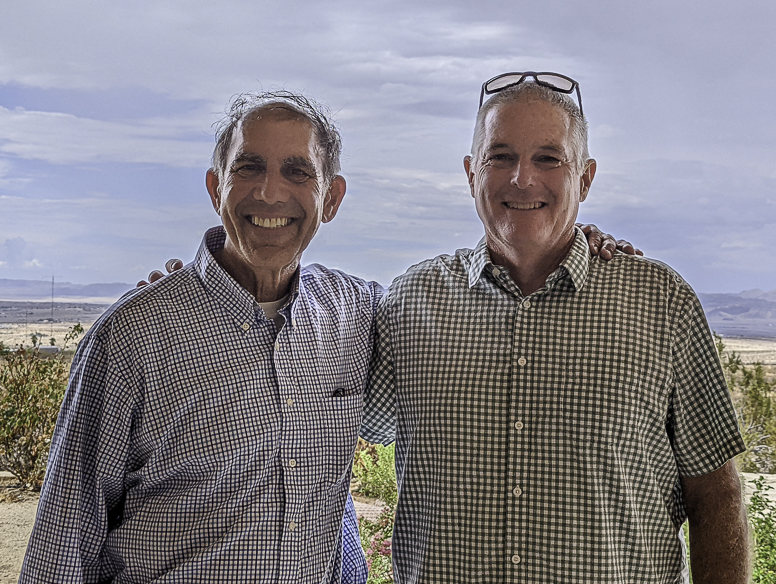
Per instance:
{"type": "Point", "coordinates": [196, 444]}
{"type": "Point", "coordinates": [541, 438]}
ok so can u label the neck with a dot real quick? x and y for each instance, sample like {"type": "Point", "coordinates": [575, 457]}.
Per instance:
{"type": "Point", "coordinates": [530, 265]}
{"type": "Point", "coordinates": [264, 283]}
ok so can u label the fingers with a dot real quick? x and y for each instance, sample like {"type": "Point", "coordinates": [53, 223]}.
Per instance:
{"type": "Point", "coordinates": [155, 275]}
{"type": "Point", "coordinates": [173, 265]}
{"type": "Point", "coordinates": [607, 248]}
{"type": "Point", "coordinates": [141, 283]}
{"type": "Point", "coordinates": [627, 247]}
{"type": "Point", "coordinates": [594, 237]}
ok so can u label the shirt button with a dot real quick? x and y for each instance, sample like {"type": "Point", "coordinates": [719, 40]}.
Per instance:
{"type": "Point", "coordinates": [518, 425]}
{"type": "Point", "coordinates": [522, 361]}
{"type": "Point", "coordinates": [527, 304]}
{"type": "Point", "coordinates": [292, 526]}
{"type": "Point", "coordinates": [292, 463]}
{"type": "Point", "coordinates": [246, 326]}
{"type": "Point", "coordinates": [290, 401]}
{"type": "Point", "coordinates": [277, 346]}
{"type": "Point", "coordinates": [517, 491]}
{"type": "Point", "coordinates": [515, 559]}
{"type": "Point", "coordinates": [293, 322]}
{"type": "Point", "coordinates": [496, 271]}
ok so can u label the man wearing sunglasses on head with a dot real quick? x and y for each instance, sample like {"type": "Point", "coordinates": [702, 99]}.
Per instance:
{"type": "Point", "coordinates": [557, 417]}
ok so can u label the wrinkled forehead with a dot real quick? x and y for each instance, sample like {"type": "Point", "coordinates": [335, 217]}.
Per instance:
{"type": "Point", "coordinates": [528, 121]}
{"type": "Point", "coordinates": [258, 126]}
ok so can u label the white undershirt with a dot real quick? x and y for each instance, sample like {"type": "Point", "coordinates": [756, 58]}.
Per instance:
{"type": "Point", "coordinates": [271, 311]}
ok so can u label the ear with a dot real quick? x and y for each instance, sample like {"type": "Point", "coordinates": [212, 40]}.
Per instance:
{"type": "Point", "coordinates": [333, 198]}
{"type": "Point", "coordinates": [586, 179]}
{"type": "Point", "coordinates": [467, 165]}
{"type": "Point", "coordinates": [212, 184]}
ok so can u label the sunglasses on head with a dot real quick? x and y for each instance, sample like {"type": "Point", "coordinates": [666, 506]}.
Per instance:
{"type": "Point", "coordinates": [554, 81]}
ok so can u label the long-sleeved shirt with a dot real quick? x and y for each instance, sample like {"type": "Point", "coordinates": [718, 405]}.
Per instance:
{"type": "Point", "coordinates": [197, 444]}
{"type": "Point", "coordinates": [542, 438]}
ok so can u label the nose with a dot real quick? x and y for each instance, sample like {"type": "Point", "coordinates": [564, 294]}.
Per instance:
{"type": "Point", "coordinates": [270, 188]}
{"type": "Point", "coordinates": [523, 175]}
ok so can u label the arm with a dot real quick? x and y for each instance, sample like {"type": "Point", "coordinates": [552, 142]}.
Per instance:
{"type": "Point", "coordinates": [81, 494]}
{"type": "Point", "coordinates": [719, 541]}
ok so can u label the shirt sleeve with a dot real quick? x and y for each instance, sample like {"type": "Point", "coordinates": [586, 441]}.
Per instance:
{"type": "Point", "coordinates": [354, 568]}
{"type": "Point", "coordinates": [703, 425]}
{"type": "Point", "coordinates": [379, 422]}
{"type": "Point", "coordinates": [82, 492]}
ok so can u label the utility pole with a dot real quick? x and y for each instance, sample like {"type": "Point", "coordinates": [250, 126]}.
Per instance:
{"type": "Point", "coordinates": [52, 306]}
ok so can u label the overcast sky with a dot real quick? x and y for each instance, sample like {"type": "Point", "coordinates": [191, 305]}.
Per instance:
{"type": "Point", "coordinates": [106, 113]}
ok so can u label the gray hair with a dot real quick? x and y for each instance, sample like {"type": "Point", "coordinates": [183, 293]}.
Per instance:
{"type": "Point", "coordinates": [241, 106]}
{"type": "Point", "coordinates": [533, 91]}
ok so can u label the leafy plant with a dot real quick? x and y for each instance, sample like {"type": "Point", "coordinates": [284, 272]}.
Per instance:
{"type": "Point", "coordinates": [376, 541]}
{"type": "Point", "coordinates": [762, 517]}
{"type": "Point", "coordinates": [755, 409]}
{"type": "Point", "coordinates": [31, 391]}
{"type": "Point", "coordinates": [374, 467]}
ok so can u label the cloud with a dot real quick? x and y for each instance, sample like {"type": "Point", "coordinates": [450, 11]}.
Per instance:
{"type": "Point", "coordinates": [66, 139]}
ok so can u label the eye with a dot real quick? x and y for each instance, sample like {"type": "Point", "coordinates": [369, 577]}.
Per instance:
{"type": "Point", "coordinates": [298, 174]}
{"type": "Point", "coordinates": [499, 159]}
{"type": "Point", "coordinates": [548, 161]}
{"type": "Point", "coordinates": [248, 170]}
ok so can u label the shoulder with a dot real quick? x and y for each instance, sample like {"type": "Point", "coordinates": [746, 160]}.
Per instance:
{"type": "Point", "coordinates": [140, 307]}
{"type": "Point", "coordinates": [335, 285]}
{"type": "Point", "coordinates": [445, 269]}
{"type": "Point", "coordinates": [633, 277]}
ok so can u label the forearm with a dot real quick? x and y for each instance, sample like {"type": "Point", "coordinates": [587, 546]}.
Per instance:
{"type": "Point", "coordinates": [719, 537]}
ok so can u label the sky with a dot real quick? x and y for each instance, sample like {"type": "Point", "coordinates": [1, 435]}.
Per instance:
{"type": "Point", "coordinates": [106, 113]}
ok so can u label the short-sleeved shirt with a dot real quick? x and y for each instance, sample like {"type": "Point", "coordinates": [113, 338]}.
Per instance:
{"type": "Point", "coordinates": [542, 438]}
{"type": "Point", "coordinates": [197, 444]}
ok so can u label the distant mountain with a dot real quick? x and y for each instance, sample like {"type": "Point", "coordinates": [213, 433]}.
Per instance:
{"type": "Point", "coordinates": [751, 313]}
{"type": "Point", "coordinates": [40, 290]}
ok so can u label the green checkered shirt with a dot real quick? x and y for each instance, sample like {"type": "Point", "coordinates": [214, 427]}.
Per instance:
{"type": "Point", "coordinates": [541, 438]}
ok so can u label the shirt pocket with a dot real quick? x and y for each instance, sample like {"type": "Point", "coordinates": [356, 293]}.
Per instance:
{"type": "Point", "coordinates": [333, 422]}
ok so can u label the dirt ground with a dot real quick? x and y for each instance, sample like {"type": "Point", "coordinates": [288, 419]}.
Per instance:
{"type": "Point", "coordinates": [17, 514]}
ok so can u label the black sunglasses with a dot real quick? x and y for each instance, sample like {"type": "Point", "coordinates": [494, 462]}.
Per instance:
{"type": "Point", "coordinates": [554, 81]}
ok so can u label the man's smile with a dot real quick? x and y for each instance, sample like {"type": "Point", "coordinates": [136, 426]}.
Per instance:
{"type": "Point", "coordinates": [524, 206]}
{"type": "Point", "coordinates": [269, 223]}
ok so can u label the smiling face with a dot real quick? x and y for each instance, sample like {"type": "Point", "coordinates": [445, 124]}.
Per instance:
{"type": "Point", "coordinates": [271, 197]}
{"type": "Point", "coordinates": [525, 181]}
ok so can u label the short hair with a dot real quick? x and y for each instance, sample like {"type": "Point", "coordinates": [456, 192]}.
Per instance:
{"type": "Point", "coordinates": [528, 91]}
{"type": "Point", "coordinates": [241, 106]}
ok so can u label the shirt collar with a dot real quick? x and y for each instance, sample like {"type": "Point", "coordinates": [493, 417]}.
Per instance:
{"type": "Point", "coordinates": [575, 264]}
{"type": "Point", "coordinates": [224, 289]}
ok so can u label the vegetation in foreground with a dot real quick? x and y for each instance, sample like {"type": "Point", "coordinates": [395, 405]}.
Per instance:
{"type": "Point", "coordinates": [32, 386]}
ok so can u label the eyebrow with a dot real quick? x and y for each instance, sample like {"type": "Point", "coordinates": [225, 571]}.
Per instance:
{"type": "Point", "coordinates": [249, 158]}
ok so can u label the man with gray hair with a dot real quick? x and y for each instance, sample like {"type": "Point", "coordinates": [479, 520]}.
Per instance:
{"type": "Point", "coordinates": [558, 418]}
{"type": "Point", "coordinates": [208, 430]}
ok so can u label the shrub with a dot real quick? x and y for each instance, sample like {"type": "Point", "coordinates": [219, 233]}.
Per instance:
{"type": "Point", "coordinates": [374, 467]}
{"type": "Point", "coordinates": [753, 400]}
{"type": "Point", "coordinates": [762, 517]}
{"type": "Point", "coordinates": [31, 392]}
{"type": "Point", "coordinates": [376, 541]}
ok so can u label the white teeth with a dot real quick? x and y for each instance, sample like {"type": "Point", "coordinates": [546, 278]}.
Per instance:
{"type": "Point", "coordinates": [524, 206]}
{"type": "Point", "coordinates": [269, 223]}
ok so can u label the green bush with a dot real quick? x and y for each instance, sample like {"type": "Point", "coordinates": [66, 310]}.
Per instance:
{"type": "Point", "coordinates": [374, 467]}
{"type": "Point", "coordinates": [376, 541]}
{"type": "Point", "coordinates": [31, 391]}
{"type": "Point", "coordinates": [762, 518]}
{"type": "Point", "coordinates": [753, 397]}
